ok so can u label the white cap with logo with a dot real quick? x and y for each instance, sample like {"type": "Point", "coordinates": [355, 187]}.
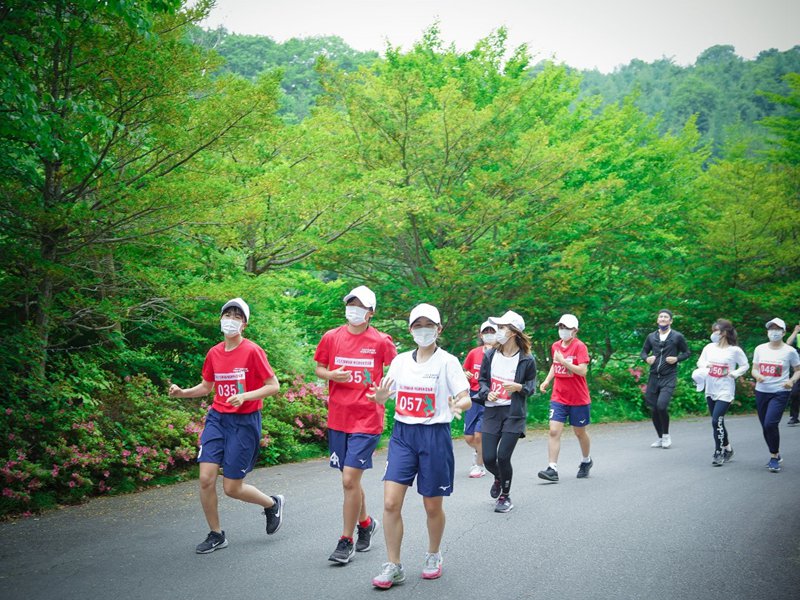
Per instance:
{"type": "Point", "coordinates": [424, 310]}
{"type": "Point", "coordinates": [240, 304]}
{"type": "Point", "coordinates": [569, 321]}
{"type": "Point", "coordinates": [510, 318]}
{"type": "Point", "coordinates": [776, 321]}
{"type": "Point", "coordinates": [365, 295]}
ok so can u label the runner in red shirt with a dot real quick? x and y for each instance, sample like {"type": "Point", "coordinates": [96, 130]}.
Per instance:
{"type": "Point", "coordinates": [238, 372]}
{"type": "Point", "coordinates": [473, 418]}
{"type": "Point", "coordinates": [352, 358]}
{"type": "Point", "coordinates": [570, 398]}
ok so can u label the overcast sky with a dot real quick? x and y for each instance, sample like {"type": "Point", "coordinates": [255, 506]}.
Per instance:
{"type": "Point", "coordinates": [586, 34]}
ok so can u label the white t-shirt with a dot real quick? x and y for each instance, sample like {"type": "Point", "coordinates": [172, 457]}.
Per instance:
{"type": "Point", "coordinates": [423, 389]}
{"type": "Point", "coordinates": [773, 364]}
{"type": "Point", "coordinates": [504, 369]}
{"type": "Point", "coordinates": [724, 366]}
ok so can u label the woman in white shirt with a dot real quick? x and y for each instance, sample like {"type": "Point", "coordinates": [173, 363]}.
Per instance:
{"type": "Point", "coordinates": [431, 390]}
{"type": "Point", "coordinates": [771, 365]}
{"type": "Point", "coordinates": [724, 362]}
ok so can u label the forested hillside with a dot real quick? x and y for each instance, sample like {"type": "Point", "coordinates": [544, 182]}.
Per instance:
{"type": "Point", "coordinates": [723, 90]}
{"type": "Point", "coordinates": [144, 181]}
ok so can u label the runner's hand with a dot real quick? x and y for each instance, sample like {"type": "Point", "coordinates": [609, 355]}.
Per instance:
{"type": "Point", "coordinates": [456, 410]}
{"type": "Point", "coordinates": [175, 391]}
{"type": "Point", "coordinates": [492, 396]}
{"type": "Point", "coordinates": [340, 375]}
{"type": "Point", "coordinates": [543, 387]}
{"type": "Point", "coordinates": [381, 392]}
{"type": "Point", "coordinates": [236, 400]}
{"type": "Point", "coordinates": [671, 360]}
{"type": "Point", "coordinates": [650, 360]}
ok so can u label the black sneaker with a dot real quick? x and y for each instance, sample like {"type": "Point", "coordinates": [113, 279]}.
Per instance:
{"type": "Point", "coordinates": [727, 455]}
{"type": "Point", "coordinates": [583, 470]}
{"type": "Point", "coordinates": [719, 459]}
{"type": "Point", "coordinates": [214, 541]}
{"type": "Point", "coordinates": [364, 541]}
{"type": "Point", "coordinates": [495, 491]}
{"type": "Point", "coordinates": [274, 515]}
{"type": "Point", "coordinates": [550, 474]}
{"type": "Point", "coordinates": [793, 422]}
{"type": "Point", "coordinates": [344, 551]}
{"type": "Point", "coordinates": [503, 504]}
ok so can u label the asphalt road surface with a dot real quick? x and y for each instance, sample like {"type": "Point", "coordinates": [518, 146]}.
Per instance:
{"type": "Point", "coordinates": [648, 523]}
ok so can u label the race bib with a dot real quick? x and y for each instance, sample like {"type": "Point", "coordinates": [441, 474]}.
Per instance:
{"type": "Point", "coordinates": [359, 369]}
{"type": "Point", "coordinates": [562, 371]}
{"type": "Point", "coordinates": [416, 404]}
{"type": "Point", "coordinates": [230, 384]}
{"type": "Point", "coordinates": [497, 388]}
{"type": "Point", "coordinates": [770, 369]}
{"type": "Point", "coordinates": [718, 370]}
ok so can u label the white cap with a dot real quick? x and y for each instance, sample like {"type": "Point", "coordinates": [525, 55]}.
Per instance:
{"type": "Point", "coordinates": [424, 310]}
{"type": "Point", "coordinates": [363, 293]}
{"type": "Point", "coordinates": [488, 325]}
{"type": "Point", "coordinates": [776, 321]}
{"type": "Point", "coordinates": [510, 318]}
{"type": "Point", "coordinates": [239, 303]}
{"type": "Point", "coordinates": [569, 321]}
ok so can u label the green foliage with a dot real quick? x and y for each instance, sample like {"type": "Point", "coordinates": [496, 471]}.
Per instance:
{"type": "Point", "coordinates": [146, 179]}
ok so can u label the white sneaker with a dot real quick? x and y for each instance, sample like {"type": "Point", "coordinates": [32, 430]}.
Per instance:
{"type": "Point", "coordinates": [477, 471]}
{"type": "Point", "coordinates": [666, 442]}
{"type": "Point", "coordinates": [657, 444]}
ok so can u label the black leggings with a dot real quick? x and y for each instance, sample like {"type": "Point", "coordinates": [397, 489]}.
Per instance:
{"type": "Point", "coordinates": [718, 408]}
{"type": "Point", "coordinates": [658, 396]}
{"type": "Point", "coordinates": [497, 451]}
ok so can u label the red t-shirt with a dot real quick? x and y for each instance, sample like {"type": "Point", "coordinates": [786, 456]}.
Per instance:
{"type": "Point", "coordinates": [473, 364]}
{"type": "Point", "coordinates": [364, 355]}
{"type": "Point", "coordinates": [243, 369]}
{"type": "Point", "coordinates": [569, 388]}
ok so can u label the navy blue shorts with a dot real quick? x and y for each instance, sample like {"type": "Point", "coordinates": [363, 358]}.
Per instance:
{"type": "Point", "coordinates": [473, 419]}
{"type": "Point", "coordinates": [351, 449]}
{"type": "Point", "coordinates": [579, 416]}
{"type": "Point", "coordinates": [424, 452]}
{"type": "Point", "coordinates": [232, 441]}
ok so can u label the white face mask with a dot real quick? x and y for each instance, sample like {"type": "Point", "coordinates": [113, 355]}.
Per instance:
{"type": "Point", "coordinates": [775, 335]}
{"type": "Point", "coordinates": [424, 336]}
{"type": "Point", "coordinates": [355, 315]}
{"type": "Point", "coordinates": [565, 334]}
{"type": "Point", "coordinates": [715, 337]}
{"type": "Point", "coordinates": [489, 338]}
{"type": "Point", "coordinates": [230, 327]}
{"type": "Point", "coordinates": [502, 336]}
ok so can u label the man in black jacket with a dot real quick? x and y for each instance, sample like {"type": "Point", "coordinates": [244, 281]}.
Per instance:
{"type": "Point", "coordinates": [663, 350]}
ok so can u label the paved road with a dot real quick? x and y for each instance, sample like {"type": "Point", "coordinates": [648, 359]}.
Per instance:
{"type": "Point", "coordinates": [650, 524]}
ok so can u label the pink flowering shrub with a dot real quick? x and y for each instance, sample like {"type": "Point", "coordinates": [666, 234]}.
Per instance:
{"type": "Point", "coordinates": [294, 422]}
{"type": "Point", "coordinates": [126, 434]}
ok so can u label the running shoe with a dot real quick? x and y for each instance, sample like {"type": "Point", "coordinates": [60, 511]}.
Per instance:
{"type": "Point", "coordinates": [344, 551]}
{"type": "Point", "coordinates": [390, 575]}
{"type": "Point", "coordinates": [718, 459]}
{"type": "Point", "coordinates": [780, 460]}
{"type": "Point", "coordinates": [549, 473]}
{"type": "Point", "coordinates": [274, 514]}
{"type": "Point", "coordinates": [503, 504]}
{"type": "Point", "coordinates": [774, 465]}
{"type": "Point", "coordinates": [364, 541]}
{"type": "Point", "coordinates": [477, 471]}
{"type": "Point", "coordinates": [432, 569]}
{"type": "Point", "coordinates": [793, 422]}
{"type": "Point", "coordinates": [494, 492]}
{"type": "Point", "coordinates": [727, 455]}
{"type": "Point", "coordinates": [666, 441]}
{"type": "Point", "coordinates": [214, 541]}
{"type": "Point", "coordinates": [657, 444]}
{"type": "Point", "coordinates": [583, 469]}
